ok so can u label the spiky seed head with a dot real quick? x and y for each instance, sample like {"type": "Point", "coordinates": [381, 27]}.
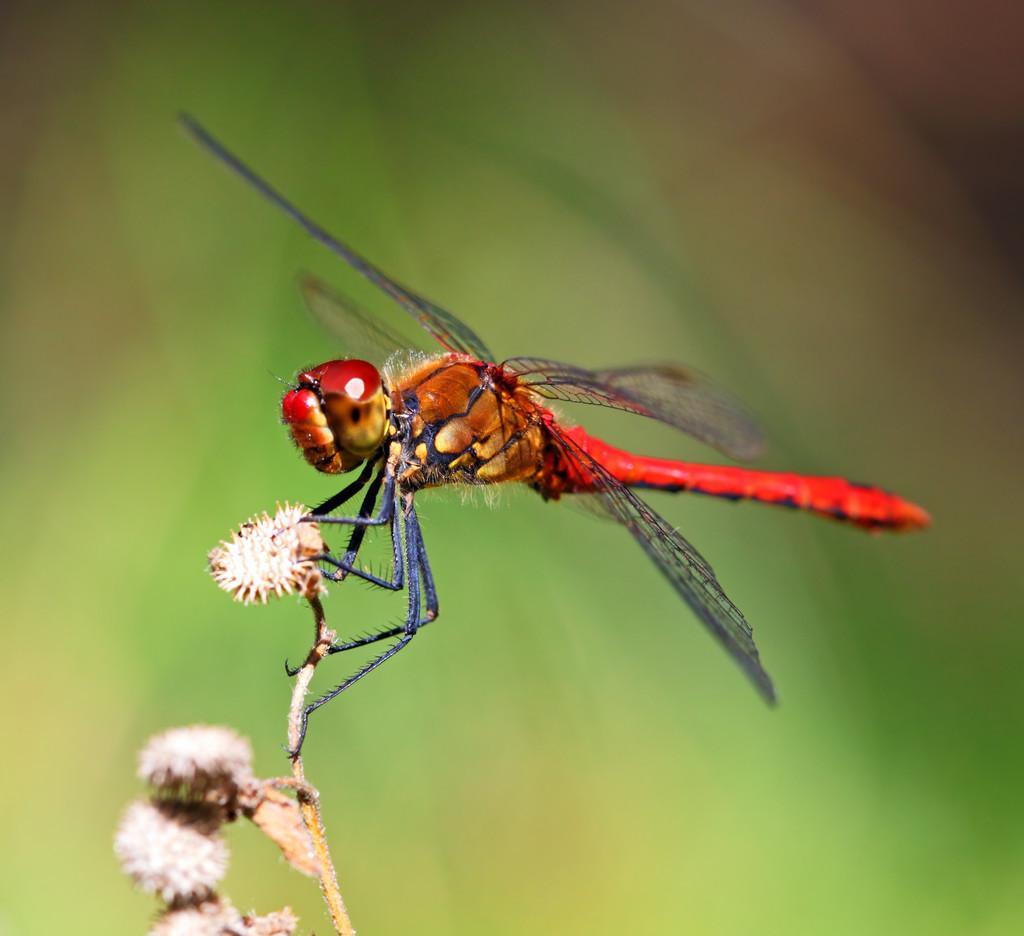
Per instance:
{"type": "Point", "coordinates": [172, 849]}
{"type": "Point", "coordinates": [197, 760]}
{"type": "Point", "coordinates": [270, 555]}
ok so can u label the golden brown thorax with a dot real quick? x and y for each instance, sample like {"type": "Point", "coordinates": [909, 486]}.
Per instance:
{"type": "Point", "coordinates": [468, 423]}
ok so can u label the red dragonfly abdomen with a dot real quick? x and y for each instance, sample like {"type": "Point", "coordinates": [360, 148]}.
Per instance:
{"type": "Point", "coordinates": [864, 505]}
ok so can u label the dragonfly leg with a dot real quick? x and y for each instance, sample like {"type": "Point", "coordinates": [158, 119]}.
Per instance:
{"type": "Point", "coordinates": [380, 520]}
{"type": "Point", "coordinates": [337, 690]}
{"type": "Point", "coordinates": [365, 510]}
{"type": "Point", "coordinates": [346, 565]}
{"type": "Point", "coordinates": [367, 640]}
{"type": "Point", "coordinates": [413, 543]}
{"type": "Point", "coordinates": [361, 522]}
{"type": "Point", "coordinates": [346, 493]}
{"type": "Point", "coordinates": [430, 592]}
{"type": "Point", "coordinates": [346, 568]}
{"type": "Point", "coordinates": [429, 597]}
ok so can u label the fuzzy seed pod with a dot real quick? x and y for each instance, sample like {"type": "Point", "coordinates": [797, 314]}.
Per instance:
{"type": "Point", "coordinates": [172, 849]}
{"type": "Point", "coordinates": [196, 760]}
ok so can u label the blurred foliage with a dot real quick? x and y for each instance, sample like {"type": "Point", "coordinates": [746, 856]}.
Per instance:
{"type": "Point", "coordinates": [742, 187]}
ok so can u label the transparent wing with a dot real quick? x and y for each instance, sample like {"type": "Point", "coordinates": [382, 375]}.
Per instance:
{"type": "Point", "coordinates": [674, 395]}
{"type": "Point", "coordinates": [687, 570]}
{"type": "Point", "coordinates": [445, 327]}
{"type": "Point", "coordinates": [360, 334]}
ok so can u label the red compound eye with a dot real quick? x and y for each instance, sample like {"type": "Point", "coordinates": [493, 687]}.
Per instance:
{"type": "Point", "coordinates": [358, 380]}
{"type": "Point", "coordinates": [297, 405]}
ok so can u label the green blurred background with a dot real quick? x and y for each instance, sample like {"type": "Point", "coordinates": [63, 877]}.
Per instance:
{"type": "Point", "coordinates": [817, 202]}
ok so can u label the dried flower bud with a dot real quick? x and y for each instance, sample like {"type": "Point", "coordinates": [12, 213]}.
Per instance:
{"type": "Point", "coordinates": [270, 556]}
{"type": "Point", "coordinates": [198, 759]}
{"type": "Point", "coordinates": [172, 849]}
{"type": "Point", "coordinates": [214, 917]}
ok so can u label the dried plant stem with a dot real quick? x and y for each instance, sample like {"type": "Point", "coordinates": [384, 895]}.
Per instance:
{"type": "Point", "coordinates": [309, 799]}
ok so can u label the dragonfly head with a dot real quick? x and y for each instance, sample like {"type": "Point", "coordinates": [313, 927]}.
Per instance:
{"type": "Point", "coordinates": [337, 414]}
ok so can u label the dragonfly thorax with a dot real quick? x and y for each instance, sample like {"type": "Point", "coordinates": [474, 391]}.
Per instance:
{"type": "Point", "coordinates": [338, 414]}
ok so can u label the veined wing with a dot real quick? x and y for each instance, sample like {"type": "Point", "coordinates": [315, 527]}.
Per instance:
{"type": "Point", "coordinates": [687, 570]}
{"type": "Point", "coordinates": [445, 327]}
{"type": "Point", "coordinates": [674, 395]}
{"type": "Point", "coordinates": [361, 335]}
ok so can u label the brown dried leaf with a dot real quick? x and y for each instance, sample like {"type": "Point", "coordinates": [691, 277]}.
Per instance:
{"type": "Point", "coordinates": [279, 818]}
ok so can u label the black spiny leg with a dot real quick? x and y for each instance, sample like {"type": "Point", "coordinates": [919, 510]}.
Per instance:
{"type": "Point", "coordinates": [382, 518]}
{"type": "Point", "coordinates": [412, 528]}
{"type": "Point", "coordinates": [345, 494]}
{"type": "Point", "coordinates": [413, 543]}
{"type": "Point", "coordinates": [346, 565]}
{"type": "Point", "coordinates": [355, 541]}
{"type": "Point", "coordinates": [361, 522]}
{"type": "Point", "coordinates": [430, 598]}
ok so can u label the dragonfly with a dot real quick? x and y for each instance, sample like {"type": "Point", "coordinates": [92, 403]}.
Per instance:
{"type": "Point", "coordinates": [457, 417]}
